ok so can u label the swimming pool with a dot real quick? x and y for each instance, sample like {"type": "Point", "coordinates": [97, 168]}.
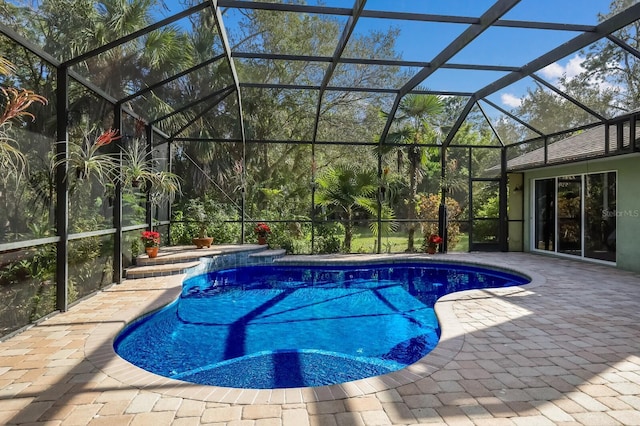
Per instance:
{"type": "Point", "coordinates": [277, 326]}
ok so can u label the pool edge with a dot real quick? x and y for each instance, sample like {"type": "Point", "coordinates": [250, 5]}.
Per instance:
{"type": "Point", "coordinates": [100, 352]}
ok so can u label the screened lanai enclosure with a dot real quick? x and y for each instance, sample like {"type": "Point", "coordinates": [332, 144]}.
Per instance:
{"type": "Point", "coordinates": [346, 126]}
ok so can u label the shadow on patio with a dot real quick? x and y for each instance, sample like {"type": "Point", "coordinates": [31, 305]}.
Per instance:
{"type": "Point", "coordinates": [566, 351]}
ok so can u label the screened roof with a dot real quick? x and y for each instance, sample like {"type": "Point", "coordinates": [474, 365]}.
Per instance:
{"type": "Point", "coordinates": [530, 67]}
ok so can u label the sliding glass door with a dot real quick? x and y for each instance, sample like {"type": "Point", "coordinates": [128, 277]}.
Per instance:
{"type": "Point", "coordinates": [545, 214]}
{"type": "Point", "coordinates": [576, 215]}
{"type": "Point", "coordinates": [570, 215]}
{"type": "Point", "coordinates": [600, 216]}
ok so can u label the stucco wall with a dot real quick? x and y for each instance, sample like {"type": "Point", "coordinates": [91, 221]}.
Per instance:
{"type": "Point", "coordinates": [628, 202]}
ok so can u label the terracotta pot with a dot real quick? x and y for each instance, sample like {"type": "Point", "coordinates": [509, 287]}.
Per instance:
{"type": "Point", "coordinates": [262, 240]}
{"type": "Point", "coordinates": [203, 242]}
{"type": "Point", "coordinates": [431, 250]}
{"type": "Point", "coordinates": [151, 251]}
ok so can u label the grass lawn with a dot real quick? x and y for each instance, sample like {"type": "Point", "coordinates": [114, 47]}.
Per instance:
{"type": "Point", "coordinates": [364, 242]}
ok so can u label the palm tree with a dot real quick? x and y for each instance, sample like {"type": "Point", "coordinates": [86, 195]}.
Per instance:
{"type": "Point", "coordinates": [417, 125]}
{"type": "Point", "coordinates": [345, 188]}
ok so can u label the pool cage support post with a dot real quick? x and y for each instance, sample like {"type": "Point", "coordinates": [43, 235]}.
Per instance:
{"type": "Point", "coordinates": [313, 196]}
{"type": "Point", "coordinates": [117, 202]}
{"type": "Point", "coordinates": [632, 134]}
{"type": "Point", "coordinates": [503, 227]}
{"type": "Point", "coordinates": [243, 200]}
{"type": "Point", "coordinates": [381, 191]}
{"type": "Point", "coordinates": [169, 203]}
{"type": "Point", "coordinates": [148, 205]}
{"type": "Point", "coordinates": [442, 210]}
{"type": "Point", "coordinates": [62, 189]}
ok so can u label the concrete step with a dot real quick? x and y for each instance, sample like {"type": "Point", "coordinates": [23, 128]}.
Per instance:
{"type": "Point", "coordinates": [179, 259]}
{"type": "Point", "coordinates": [268, 253]}
{"type": "Point", "coordinates": [160, 270]}
{"type": "Point", "coordinates": [175, 254]}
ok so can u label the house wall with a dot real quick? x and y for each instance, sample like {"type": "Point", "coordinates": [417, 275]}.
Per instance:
{"type": "Point", "coordinates": [628, 202]}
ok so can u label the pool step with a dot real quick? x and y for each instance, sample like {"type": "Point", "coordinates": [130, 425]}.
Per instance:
{"type": "Point", "coordinates": [267, 256]}
{"type": "Point", "coordinates": [179, 259]}
{"type": "Point", "coordinates": [177, 254]}
{"type": "Point", "coordinates": [160, 270]}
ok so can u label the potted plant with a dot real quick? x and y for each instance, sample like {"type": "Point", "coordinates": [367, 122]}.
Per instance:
{"type": "Point", "coordinates": [151, 241]}
{"type": "Point", "coordinates": [197, 212]}
{"type": "Point", "coordinates": [262, 230]}
{"type": "Point", "coordinates": [433, 242]}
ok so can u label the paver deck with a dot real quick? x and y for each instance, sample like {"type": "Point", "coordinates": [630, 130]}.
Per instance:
{"type": "Point", "coordinates": [564, 350]}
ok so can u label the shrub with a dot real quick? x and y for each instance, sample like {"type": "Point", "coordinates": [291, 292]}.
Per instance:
{"type": "Point", "coordinates": [428, 207]}
{"type": "Point", "coordinates": [326, 238]}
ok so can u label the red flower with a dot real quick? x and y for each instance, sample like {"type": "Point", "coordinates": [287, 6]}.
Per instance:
{"type": "Point", "coordinates": [262, 229]}
{"type": "Point", "coordinates": [150, 238]}
{"type": "Point", "coordinates": [17, 103]}
{"type": "Point", "coordinates": [435, 239]}
{"type": "Point", "coordinates": [107, 137]}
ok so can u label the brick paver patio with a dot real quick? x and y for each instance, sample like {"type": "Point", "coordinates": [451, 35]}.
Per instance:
{"type": "Point", "coordinates": [564, 350]}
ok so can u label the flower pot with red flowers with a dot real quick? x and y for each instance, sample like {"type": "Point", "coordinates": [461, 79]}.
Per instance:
{"type": "Point", "coordinates": [262, 230]}
{"type": "Point", "coordinates": [151, 240]}
{"type": "Point", "coordinates": [433, 242]}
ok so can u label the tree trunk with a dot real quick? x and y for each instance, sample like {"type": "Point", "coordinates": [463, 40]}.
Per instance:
{"type": "Point", "coordinates": [348, 232]}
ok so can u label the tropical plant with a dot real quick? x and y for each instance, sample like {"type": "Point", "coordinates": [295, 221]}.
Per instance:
{"type": "Point", "coordinates": [87, 159]}
{"type": "Point", "coordinates": [17, 101]}
{"type": "Point", "coordinates": [137, 165]}
{"type": "Point", "coordinates": [197, 212]}
{"type": "Point", "coordinates": [139, 170]}
{"type": "Point", "coordinates": [417, 126]}
{"type": "Point", "coordinates": [345, 188]}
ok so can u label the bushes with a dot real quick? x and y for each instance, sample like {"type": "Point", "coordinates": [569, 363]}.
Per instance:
{"type": "Point", "coordinates": [219, 223]}
{"type": "Point", "coordinates": [326, 240]}
{"type": "Point", "coordinates": [428, 207]}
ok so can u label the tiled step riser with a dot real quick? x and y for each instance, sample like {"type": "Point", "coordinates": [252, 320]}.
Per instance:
{"type": "Point", "coordinates": [267, 257]}
{"type": "Point", "coordinates": [173, 262]}
{"type": "Point", "coordinates": [170, 255]}
{"type": "Point", "coordinates": [133, 276]}
{"type": "Point", "coordinates": [159, 261]}
{"type": "Point", "coordinates": [160, 270]}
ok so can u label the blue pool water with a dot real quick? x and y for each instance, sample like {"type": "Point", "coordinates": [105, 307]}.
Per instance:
{"type": "Point", "coordinates": [291, 326]}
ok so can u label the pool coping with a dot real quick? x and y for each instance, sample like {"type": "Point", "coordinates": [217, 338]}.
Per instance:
{"type": "Point", "coordinates": [100, 352]}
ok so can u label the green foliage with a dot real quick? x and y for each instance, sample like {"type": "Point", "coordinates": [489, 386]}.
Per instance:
{"type": "Point", "coordinates": [428, 208]}
{"type": "Point", "coordinates": [90, 266]}
{"type": "Point", "coordinates": [327, 240]}
{"type": "Point", "coordinates": [196, 211]}
{"type": "Point", "coordinates": [416, 125]}
{"type": "Point", "coordinates": [181, 232]}
{"type": "Point", "coordinates": [27, 287]}
{"type": "Point", "coordinates": [485, 230]}
{"type": "Point", "coordinates": [203, 217]}
{"type": "Point", "coordinates": [345, 188]}
{"type": "Point", "coordinates": [281, 237]}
